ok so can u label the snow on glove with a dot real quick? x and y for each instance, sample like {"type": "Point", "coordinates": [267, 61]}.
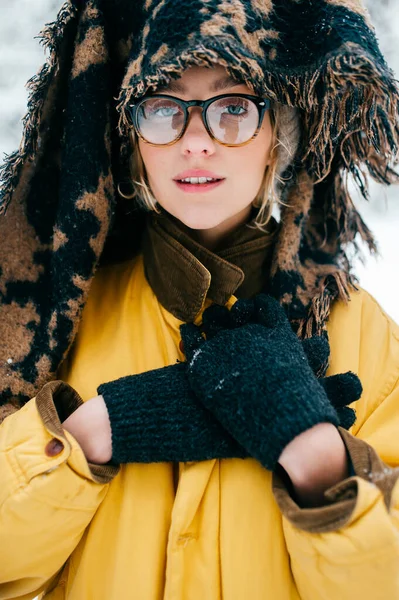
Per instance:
{"type": "Point", "coordinates": [342, 389]}
{"type": "Point", "coordinates": [257, 381]}
{"type": "Point", "coordinates": [155, 417]}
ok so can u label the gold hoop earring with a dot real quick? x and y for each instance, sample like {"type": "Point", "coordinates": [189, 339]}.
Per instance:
{"type": "Point", "coordinates": [124, 194]}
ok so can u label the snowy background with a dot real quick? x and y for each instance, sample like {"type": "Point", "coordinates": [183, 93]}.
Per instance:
{"type": "Point", "coordinates": [21, 56]}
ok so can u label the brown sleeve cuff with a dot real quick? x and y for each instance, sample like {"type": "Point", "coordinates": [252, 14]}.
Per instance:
{"type": "Point", "coordinates": [369, 466]}
{"type": "Point", "coordinates": [55, 402]}
{"type": "Point", "coordinates": [341, 503]}
{"type": "Point", "coordinates": [341, 498]}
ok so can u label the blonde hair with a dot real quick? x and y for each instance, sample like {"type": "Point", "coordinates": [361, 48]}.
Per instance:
{"type": "Point", "coordinates": [265, 199]}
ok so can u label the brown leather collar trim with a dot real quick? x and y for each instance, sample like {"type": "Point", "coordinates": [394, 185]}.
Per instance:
{"type": "Point", "coordinates": [182, 273]}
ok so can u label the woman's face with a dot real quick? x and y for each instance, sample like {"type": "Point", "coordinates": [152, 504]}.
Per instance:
{"type": "Point", "coordinates": [214, 211]}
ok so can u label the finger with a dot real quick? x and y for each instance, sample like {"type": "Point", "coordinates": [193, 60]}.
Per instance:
{"type": "Point", "coordinates": [215, 319]}
{"type": "Point", "coordinates": [242, 312]}
{"type": "Point", "coordinates": [191, 338]}
{"type": "Point", "coordinates": [347, 417]}
{"type": "Point", "coordinates": [268, 311]}
{"type": "Point", "coordinates": [317, 350]}
{"type": "Point", "coordinates": [342, 389]}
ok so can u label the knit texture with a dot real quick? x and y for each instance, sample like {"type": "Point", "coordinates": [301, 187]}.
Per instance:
{"type": "Point", "coordinates": [257, 381]}
{"type": "Point", "coordinates": [342, 389]}
{"type": "Point", "coordinates": [155, 417]}
{"type": "Point", "coordinates": [62, 215]}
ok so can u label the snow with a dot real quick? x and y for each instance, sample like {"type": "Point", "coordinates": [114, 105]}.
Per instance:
{"type": "Point", "coordinates": [21, 56]}
{"type": "Point", "coordinates": [195, 355]}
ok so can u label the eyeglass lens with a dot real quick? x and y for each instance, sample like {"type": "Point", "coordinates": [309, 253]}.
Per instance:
{"type": "Point", "coordinates": [232, 120]}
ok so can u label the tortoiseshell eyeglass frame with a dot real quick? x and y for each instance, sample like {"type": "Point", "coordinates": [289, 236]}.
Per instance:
{"type": "Point", "coordinates": [262, 105]}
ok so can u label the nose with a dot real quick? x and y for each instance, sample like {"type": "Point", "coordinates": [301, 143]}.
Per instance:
{"type": "Point", "coordinates": [196, 140]}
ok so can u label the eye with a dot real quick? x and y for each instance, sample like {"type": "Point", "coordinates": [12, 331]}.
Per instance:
{"type": "Point", "coordinates": [165, 111]}
{"type": "Point", "coordinates": [232, 107]}
{"type": "Point", "coordinates": [235, 109]}
{"type": "Point", "coordinates": [159, 109]}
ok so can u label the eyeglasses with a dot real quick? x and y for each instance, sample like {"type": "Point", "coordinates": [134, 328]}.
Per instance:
{"type": "Point", "coordinates": [229, 119]}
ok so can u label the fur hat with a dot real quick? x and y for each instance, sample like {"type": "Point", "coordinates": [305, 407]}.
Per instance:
{"type": "Point", "coordinates": [61, 213]}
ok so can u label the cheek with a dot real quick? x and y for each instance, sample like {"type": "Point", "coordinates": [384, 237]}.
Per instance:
{"type": "Point", "coordinates": [254, 158]}
{"type": "Point", "coordinates": [155, 162]}
{"type": "Point", "coordinates": [148, 155]}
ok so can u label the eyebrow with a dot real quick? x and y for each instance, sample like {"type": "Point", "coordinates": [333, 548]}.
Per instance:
{"type": "Point", "coordinates": [217, 86]}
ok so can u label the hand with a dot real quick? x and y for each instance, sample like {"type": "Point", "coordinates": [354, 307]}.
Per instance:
{"type": "Point", "coordinates": [90, 427]}
{"type": "Point", "coordinates": [156, 417]}
{"type": "Point", "coordinates": [305, 459]}
{"type": "Point", "coordinates": [257, 381]}
{"type": "Point", "coordinates": [342, 389]}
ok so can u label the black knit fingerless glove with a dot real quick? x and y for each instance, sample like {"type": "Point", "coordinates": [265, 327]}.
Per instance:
{"type": "Point", "coordinates": [257, 381]}
{"type": "Point", "coordinates": [342, 389]}
{"type": "Point", "coordinates": [155, 417]}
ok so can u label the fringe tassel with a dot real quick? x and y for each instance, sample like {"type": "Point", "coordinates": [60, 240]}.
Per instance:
{"type": "Point", "coordinates": [363, 118]}
{"type": "Point", "coordinates": [335, 285]}
{"type": "Point", "coordinates": [50, 38]}
{"type": "Point", "coordinates": [342, 210]}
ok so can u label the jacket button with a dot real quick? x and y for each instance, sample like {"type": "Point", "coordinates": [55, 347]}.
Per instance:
{"type": "Point", "coordinates": [181, 346]}
{"type": "Point", "coordinates": [54, 447]}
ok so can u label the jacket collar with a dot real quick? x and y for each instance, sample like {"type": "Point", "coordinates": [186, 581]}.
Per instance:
{"type": "Point", "coordinates": [182, 273]}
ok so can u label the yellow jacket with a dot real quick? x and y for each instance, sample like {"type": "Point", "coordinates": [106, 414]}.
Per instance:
{"type": "Point", "coordinates": [209, 530]}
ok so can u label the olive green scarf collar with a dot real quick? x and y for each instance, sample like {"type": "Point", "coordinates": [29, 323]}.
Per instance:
{"type": "Point", "coordinates": [183, 273]}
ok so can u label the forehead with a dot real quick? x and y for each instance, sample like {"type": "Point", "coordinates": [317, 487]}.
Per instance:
{"type": "Point", "coordinates": [202, 79]}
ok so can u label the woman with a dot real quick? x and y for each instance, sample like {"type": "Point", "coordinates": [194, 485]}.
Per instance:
{"type": "Point", "coordinates": [141, 460]}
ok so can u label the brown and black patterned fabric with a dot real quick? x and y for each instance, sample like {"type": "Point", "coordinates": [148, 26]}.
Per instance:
{"type": "Point", "coordinates": [61, 214]}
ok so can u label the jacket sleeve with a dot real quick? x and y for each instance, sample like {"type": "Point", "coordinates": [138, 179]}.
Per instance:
{"type": "Point", "coordinates": [349, 548]}
{"type": "Point", "coordinates": [48, 493]}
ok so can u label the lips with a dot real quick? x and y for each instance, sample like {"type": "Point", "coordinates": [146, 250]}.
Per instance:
{"type": "Point", "coordinates": [196, 180]}
{"type": "Point", "coordinates": [198, 173]}
{"type": "Point", "coordinates": [198, 187]}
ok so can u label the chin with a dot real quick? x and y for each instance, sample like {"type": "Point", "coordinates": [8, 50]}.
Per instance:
{"type": "Point", "coordinates": [200, 221]}
{"type": "Point", "coordinates": [197, 216]}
